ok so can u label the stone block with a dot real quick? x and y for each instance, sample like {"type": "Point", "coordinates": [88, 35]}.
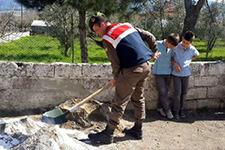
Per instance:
{"type": "Point", "coordinates": [191, 82]}
{"type": "Point", "coordinates": [208, 103]}
{"type": "Point", "coordinates": [216, 92]}
{"type": "Point", "coordinates": [29, 85]}
{"type": "Point", "coordinates": [97, 71]}
{"type": "Point", "coordinates": [4, 102]}
{"type": "Point", "coordinates": [66, 70]}
{"type": "Point", "coordinates": [5, 83]}
{"type": "Point", "coordinates": [22, 69]}
{"type": "Point", "coordinates": [197, 68]}
{"type": "Point", "coordinates": [23, 99]}
{"type": "Point", "coordinates": [23, 83]}
{"type": "Point", "coordinates": [196, 93]}
{"type": "Point", "coordinates": [221, 80]}
{"type": "Point", "coordinates": [151, 93]}
{"type": "Point", "coordinates": [216, 68]}
{"type": "Point", "coordinates": [8, 69]}
{"type": "Point", "coordinates": [72, 85]}
{"type": "Point", "coordinates": [206, 81]}
{"type": "Point", "coordinates": [40, 70]}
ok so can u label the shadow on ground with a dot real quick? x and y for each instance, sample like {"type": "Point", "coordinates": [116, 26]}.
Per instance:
{"type": "Point", "coordinates": [152, 116]}
{"type": "Point", "coordinates": [191, 115]}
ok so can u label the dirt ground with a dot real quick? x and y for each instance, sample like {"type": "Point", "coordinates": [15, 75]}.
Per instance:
{"type": "Point", "coordinates": [201, 130]}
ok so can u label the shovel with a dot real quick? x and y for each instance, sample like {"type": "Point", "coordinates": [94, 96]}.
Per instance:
{"type": "Point", "coordinates": [59, 115]}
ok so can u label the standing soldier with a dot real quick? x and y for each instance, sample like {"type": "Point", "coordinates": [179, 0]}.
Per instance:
{"type": "Point", "coordinates": [129, 57]}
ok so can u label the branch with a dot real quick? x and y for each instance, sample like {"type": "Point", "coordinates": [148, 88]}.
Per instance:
{"type": "Point", "coordinates": [199, 4]}
{"type": "Point", "coordinates": [210, 12]}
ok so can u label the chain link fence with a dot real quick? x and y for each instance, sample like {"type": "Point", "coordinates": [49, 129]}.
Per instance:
{"type": "Point", "coordinates": [27, 37]}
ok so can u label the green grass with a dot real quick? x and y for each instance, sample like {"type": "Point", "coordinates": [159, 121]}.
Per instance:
{"type": "Point", "coordinates": [41, 48]}
{"type": "Point", "coordinates": [218, 52]}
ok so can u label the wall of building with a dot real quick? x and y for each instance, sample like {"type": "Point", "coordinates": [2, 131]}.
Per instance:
{"type": "Point", "coordinates": [35, 86]}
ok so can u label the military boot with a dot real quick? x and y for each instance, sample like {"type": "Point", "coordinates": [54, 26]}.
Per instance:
{"type": "Point", "coordinates": [135, 131]}
{"type": "Point", "coordinates": [103, 137]}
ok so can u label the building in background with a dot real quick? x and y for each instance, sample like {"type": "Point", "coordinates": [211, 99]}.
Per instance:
{"type": "Point", "coordinates": [39, 27]}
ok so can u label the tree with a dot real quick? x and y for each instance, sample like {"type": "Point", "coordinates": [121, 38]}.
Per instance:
{"type": "Point", "coordinates": [192, 9]}
{"type": "Point", "coordinates": [6, 23]}
{"type": "Point", "coordinates": [210, 26]}
{"type": "Point", "coordinates": [107, 7]}
{"type": "Point", "coordinates": [212, 34]}
{"type": "Point", "coordinates": [8, 26]}
{"type": "Point", "coordinates": [62, 19]}
{"type": "Point", "coordinates": [160, 17]}
{"type": "Point", "coordinates": [82, 6]}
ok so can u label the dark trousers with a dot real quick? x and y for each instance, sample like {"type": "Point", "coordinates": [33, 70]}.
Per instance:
{"type": "Point", "coordinates": [162, 84]}
{"type": "Point", "coordinates": [129, 87]}
{"type": "Point", "coordinates": [180, 92]}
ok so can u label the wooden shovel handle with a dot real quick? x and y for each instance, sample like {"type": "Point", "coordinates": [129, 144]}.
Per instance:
{"type": "Point", "coordinates": [89, 97]}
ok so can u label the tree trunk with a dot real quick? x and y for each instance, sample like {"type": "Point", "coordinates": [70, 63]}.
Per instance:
{"type": "Point", "coordinates": [161, 15]}
{"type": "Point", "coordinates": [210, 44]}
{"type": "Point", "coordinates": [212, 36]}
{"type": "Point", "coordinates": [82, 31]}
{"type": "Point", "coordinates": [192, 14]}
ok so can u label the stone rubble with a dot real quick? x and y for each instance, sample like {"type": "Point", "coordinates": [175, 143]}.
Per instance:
{"type": "Point", "coordinates": [27, 133]}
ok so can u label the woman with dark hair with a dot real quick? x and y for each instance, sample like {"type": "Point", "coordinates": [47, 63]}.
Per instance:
{"type": "Point", "coordinates": [182, 56]}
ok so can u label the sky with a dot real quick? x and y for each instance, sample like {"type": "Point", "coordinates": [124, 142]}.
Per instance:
{"type": "Point", "coordinates": [216, 0]}
{"type": "Point", "coordinates": [8, 4]}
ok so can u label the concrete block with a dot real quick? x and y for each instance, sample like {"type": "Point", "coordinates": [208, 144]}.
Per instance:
{"type": "Point", "coordinates": [151, 93]}
{"type": "Point", "coordinates": [66, 70]}
{"type": "Point", "coordinates": [197, 68]}
{"type": "Point", "coordinates": [23, 99]}
{"type": "Point", "coordinates": [22, 69]}
{"type": "Point", "coordinates": [205, 81]}
{"type": "Point", "coordinates": [23, 83]}
{"type": "Point", "coordinates": [29, 86]}
{"type": "Point", "coordinates": [221, 80]}
{"type": "Point", "coordinates": [8, 69]}
{"type": "Point", "coordinates": [40, 70]}
{"type": "Point", "coordinates": [208, 103]}
{"type": "Point", "coordinates": [72, 85]}
{"type": "Point", "coordinates": [216, 92]}
{"type": "Point", "coordinates": [191, 82]}
{"type": "Point", "coordinates": [92, 85]}
{"type": "Point", "coordinates": [215, 68]}
{"type": "Point", "coordinates": [97, 71]}
{"type": "Point", "coordinates": [5, 83]}
{"type": "Point", "coordinates": [196, 93]}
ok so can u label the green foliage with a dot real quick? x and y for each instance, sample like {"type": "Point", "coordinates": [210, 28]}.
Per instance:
{"type": "Point", "coordinates": [63, 24]}
{"type": "Point", "coordinates": [218, 52]}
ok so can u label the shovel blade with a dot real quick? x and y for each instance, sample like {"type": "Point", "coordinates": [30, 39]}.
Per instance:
{"type": "Point", "coordinates": [54, 116]}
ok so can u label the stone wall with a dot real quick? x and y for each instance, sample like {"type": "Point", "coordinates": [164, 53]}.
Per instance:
{"type": "Point", "coordinates": [34, 86]}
